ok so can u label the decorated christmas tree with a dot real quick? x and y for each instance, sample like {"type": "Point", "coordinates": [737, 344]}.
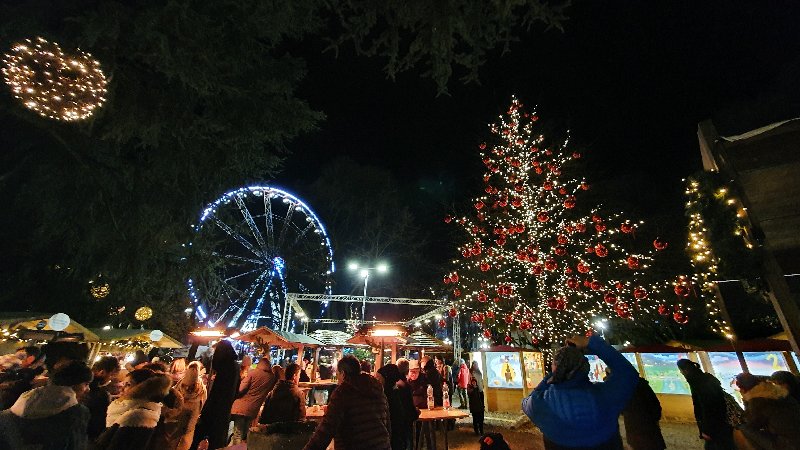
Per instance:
{"type": "Point", "coordinates": [538, 264]}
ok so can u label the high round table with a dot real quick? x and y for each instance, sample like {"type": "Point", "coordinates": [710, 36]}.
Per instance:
{"type": "Point", "coordinates": [429, 417]}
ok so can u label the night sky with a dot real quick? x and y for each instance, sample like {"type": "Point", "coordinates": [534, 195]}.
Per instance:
{"type": "Point", "coordinates": [631, 80]}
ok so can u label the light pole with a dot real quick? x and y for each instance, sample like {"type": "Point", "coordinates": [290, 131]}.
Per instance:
{"type": "Point", "coordinates": [364, 273]}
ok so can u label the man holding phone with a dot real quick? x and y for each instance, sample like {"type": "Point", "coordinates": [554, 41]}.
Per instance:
{"type": "Point", "coordinates": [571, 411]}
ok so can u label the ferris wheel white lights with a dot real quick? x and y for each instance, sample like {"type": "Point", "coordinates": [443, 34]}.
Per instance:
{"type": "Point", "coordinates": [263, 240]}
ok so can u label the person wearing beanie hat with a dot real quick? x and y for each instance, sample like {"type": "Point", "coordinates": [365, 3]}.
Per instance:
{"type": "Point", "coordinates": [710, 406]}
{"type": "Point", "coordinates": [50, 416]}
{"type": "Point", "coordinates": [570, 410]}
{"type": "Point", "coordinates": [771, 415]}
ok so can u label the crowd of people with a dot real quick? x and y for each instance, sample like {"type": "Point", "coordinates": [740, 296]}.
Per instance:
{"type": "Point", "coordinates": [52, 399]}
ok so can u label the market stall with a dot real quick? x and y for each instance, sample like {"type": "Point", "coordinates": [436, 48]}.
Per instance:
{"type": "Point", "coordinates": [509, 374]}
{"type": "Point", "coordinates": [19, 328]}
{"type": "Point", "coordinates": [118, 341]}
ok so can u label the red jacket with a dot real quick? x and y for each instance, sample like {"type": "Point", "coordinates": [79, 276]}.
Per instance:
{"type": "Point", "coordinates": [463, 376]}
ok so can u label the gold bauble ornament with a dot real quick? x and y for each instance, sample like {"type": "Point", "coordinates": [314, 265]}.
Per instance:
{"type": "Point", "coordinates": [100, 291]}
{"type": "Point", "coordinates": [143, 313]}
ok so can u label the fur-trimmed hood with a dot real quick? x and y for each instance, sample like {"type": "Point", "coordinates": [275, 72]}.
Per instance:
{"type": "Point", "coordinates": [151, 389]}
{"type": "Point", "coordinates": [766, 390]}
{"type": "Point", "coordinates": [44, 402]}
{"type": "Point", "coordinates": [133, 413]}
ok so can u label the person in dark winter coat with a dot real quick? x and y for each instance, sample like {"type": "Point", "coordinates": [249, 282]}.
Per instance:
{"type": "Point", "coordinates": [50, 417]}
{"type": "Point", "coordinates": [402, 412]}
{"type": "Point", "coordinates": [97, 399]}
{"type": "Point", "coordinates": [253, 389]}
{"type": "Point", "coordinates": [434, 379]}
{"type": "Point", "coordinates": [570, 410]}
{"type": "Point", "coordinates": [476, 405]}
{"type": "Point", "coordinates": [710, 410]}
{"type": "Point", "coordinates": [771, 415]}
{"type": "Point", "coordinates": [358, 413]}
{"type": "Point", "coordinates": [131, 420]}
{"type": "Point", "coordinates": [215, 418]}
{"type": "Point", "coordinates": [286, 402]}
{"type": "Point", "coordinates": [641, 418]}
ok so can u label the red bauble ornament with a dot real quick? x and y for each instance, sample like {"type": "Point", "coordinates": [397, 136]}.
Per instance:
{"type": "Point", "coordinates": [561, 304]}
{"type": "Point", "coordinates": [576, 155]}
{"type": "Point", "coordinates": [680, 317]}
{"type": "Point", "coordinates": [572, 283]}
{"type": "Point", "coordinates": [490, 314]}
{"type": "Point", "coordinates": [619, 286]}
{"type": "Point", "coordinates": [453, 312]}
{"type": "Point", "coordinates": [560, 251]}
{"type": "Point", "coordinates": [600, 250]}
{"type": "Point", "coordinates": [568, 270]}
{"type": "Point", "coordinates": [569, 203]}
{"type": "Point", "coordinates": [589, 249]}
{"type": "Point", "coordinates": [597, 219]}
{"type": "Point", "coordinates": [610, 298]}
{"type": "Point", "coordinates": [487, 333]}
{"type": "Point", "coordinates": [562, 191]}
{"type": "Point", "coordinates": [640, 293]}
{"type": "Point", "coordinates": [516, 202]}
{"type": "Point", "coordinates": [681, 290]}
{"type": "Point", "coordinates": [482, 297]}
{"type": "Point", "coordinates": [488, 189]}
{"type": "Point", "coordinates": [552, 302]}
{"type": "Point", "coordinates": [509, 319]}
{"type": "Point", "coordinates": [623, 311]}
{"type": "Point", "coordinates": [448, 219]}
{"type": "Point", "coordinates": [550, 265]}
{"type": "Point", "coordinates": [547, 185]}
{"type": "Point", "coordinates": [626, 227]}
{"type": "Point", "coordinates": [454, 278]}
{"type": "Point", "coordinates": [479, 317]}
{"type": "Point", "coordinates": [442, 323]}
{"type": "Point", "coordinates": [484, 267]}
{"type": "Point", "coordinates": [585, 186]}
{"type": "Point", "coordinates": [479, 205]}
{"type": "Point", "coordinates": [663, 310]}
{"type": "Point", "coordinates": [519, 188]}
{"type": "Point", "coordinates": [581, 228]}
{"type": "Point", "coordinates": [482, 146]}
{"type": "Point", "coordinates": [456, 293]}
{"type": "Point", "coordinates": [496, 299]}
{"type": "Point", "coordinates": [476, 250]}
{"type": "Point", "coordinates": [538, 170]}
{"type": "Point", "coordinates": [596, 285]}
{"type": "Point", "coordinates": [633, 262]}
{"type": "Point", "coordinates": [534, 118]}
{"type": "Point", "coordinates": [537, 269]}
{"type": "Point", "coordinates": [520, 228]}
{"type": "Point", "coordinates": [583, 268]}
{"type": "Point", "coordinates": [660, 244]}
{"type": "Point", "coordinates": [600, 227]}
{"type": "Point", "coordinates": [466, 253]}
{"type": "Point", "coordinates": [508, 339]}
{"type": "Point", "coordinates": [542, 217]}
{"type": "Point", "coordinates": [525, 325]}
{"type": "Point", "coordinates": [562, 239]}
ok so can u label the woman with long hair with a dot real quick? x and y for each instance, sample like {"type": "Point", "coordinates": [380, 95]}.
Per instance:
{"type": "Point", "coordinates": [215, 417]}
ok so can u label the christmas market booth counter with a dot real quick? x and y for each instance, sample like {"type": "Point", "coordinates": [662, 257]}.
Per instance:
{"type": "Point", "coordinates": [121, 340]}
{"type": "Point", "coordinates": [20, 328]}
{"type": "Point", "coordinates": [509, 375]}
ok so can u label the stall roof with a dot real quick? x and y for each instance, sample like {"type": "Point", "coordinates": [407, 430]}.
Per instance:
{"type": "Point", "coordinates": [420, 339]}
{"type": "Point", "coordinates": [117, 334]}
{"type": "Point", "coordinates": [376, 341]}
{"type": "Point", "coordinates": [29, 320]}
{"type": "Point", "coordinates": [332, 338]}
{"type": "Point", "coordinates": [281, 339]}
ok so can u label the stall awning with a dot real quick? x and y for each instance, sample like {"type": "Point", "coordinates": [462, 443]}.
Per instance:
{"type": "Point", "coordinates": [332, 338]}
{"type": "Point", "coordinates": [421, 340]}
{"type": "Point", "coordinates": [115, 335]}
{"type": "Point", "coordinates": [14, 321]}
{"type": "Point", "coordinates": [280, 339]}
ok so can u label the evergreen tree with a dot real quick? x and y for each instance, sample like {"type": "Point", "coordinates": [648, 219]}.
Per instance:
{"type": "Point", "coordinates": [539, 264]}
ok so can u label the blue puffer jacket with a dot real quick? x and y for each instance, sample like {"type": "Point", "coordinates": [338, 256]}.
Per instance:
{"type": "Point", "coordinates": [577, 413]}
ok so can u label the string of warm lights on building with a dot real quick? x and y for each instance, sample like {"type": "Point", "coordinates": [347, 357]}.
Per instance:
{"type": "Point", "coordinates": [53, 84]}
{"type": "Point", "coordinates": [531, 262]}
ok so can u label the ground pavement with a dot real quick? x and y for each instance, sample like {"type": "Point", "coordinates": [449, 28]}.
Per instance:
{"type": "Point", "coordinates": [521, 435]}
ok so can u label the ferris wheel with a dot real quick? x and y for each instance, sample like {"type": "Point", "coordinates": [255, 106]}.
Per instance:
{"type": "Point", "coordinates": [256, 244]}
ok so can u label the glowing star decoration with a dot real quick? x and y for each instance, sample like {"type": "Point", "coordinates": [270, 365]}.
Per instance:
{"type": "Point", "coordinates": [55, 85]}
{"type": "Point", "coordinates": [549, 263]}
{"type": "Point", "coordinates": [143, 313]}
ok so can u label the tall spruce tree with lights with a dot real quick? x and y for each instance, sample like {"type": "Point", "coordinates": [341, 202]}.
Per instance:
{"type": "Point", "coordinates": [537, 265]}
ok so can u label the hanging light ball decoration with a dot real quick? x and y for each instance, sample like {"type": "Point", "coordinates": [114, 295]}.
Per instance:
{"type": "Point", "coordinates": [99, 291]}
{"type": "Point", "coordinates": [53, 84]}
{"type": "Point", "coordinates": [143, 313]}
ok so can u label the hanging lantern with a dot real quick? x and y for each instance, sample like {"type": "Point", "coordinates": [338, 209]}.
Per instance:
{"type": "Point", "coordinates": [143, 313]}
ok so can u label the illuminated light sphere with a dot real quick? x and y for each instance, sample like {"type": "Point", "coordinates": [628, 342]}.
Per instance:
{"type": "Point", "coordinates": [100, 291]}
{"type": "Point", "coordinates": [143, 313]}
{"type": "Point", "coordinates": [55, 85]}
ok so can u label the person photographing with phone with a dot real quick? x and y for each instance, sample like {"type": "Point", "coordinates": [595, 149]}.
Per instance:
{"type": "Point", "coordinates": [571, 411]}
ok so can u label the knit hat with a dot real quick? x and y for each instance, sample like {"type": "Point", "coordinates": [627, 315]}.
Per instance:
{"type": "Point", "coordinates": [71, 373]}
{"type": "Point", "coordinates": [569, 362]}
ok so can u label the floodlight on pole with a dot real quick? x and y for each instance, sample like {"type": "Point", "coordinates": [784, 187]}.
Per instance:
{"type": "Point", "coordinates": [364, 272]}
